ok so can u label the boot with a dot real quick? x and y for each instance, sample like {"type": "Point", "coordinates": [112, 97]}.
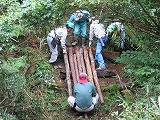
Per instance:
{"type": "Point", "coordinates": [75, 40]}
{"type": "Point", "coordinates": [83, 41]}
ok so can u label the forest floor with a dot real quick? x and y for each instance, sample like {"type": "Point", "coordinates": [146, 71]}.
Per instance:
{"type": "Point", "coordinates": [99, 113]}
{"type": "Point", "coordinates": [103, 111]}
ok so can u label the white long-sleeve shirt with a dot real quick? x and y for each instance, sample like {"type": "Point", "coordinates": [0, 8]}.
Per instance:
{"type": "Point", "coordinates": [62, 34]}
{"type": "Point", "coordinates": [96, 29]}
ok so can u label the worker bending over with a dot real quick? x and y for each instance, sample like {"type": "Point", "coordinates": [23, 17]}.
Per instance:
{"type": "Point", "coordinates": [80, 19]}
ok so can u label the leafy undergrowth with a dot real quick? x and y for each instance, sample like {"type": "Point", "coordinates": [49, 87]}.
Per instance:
{"type": "Point", "coordinates": [33, 90]}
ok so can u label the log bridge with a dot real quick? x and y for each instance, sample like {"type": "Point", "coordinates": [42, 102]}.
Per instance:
{"type": "Point", "coordinates": [78, 60]}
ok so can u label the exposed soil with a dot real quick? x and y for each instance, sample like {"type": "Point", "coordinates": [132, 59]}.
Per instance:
{"type": "Point", "coordinates": [117, 68]}
{"type": "Point", "coordinates": [103, 81]}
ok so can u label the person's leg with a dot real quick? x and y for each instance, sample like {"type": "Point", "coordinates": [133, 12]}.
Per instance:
{"type": "Point", "coordinates": [95, 99]}
{"type": "Point", "coordinates": [71, 101]}
{"type": "Point", "coordinates": [85, 110]}
{"type": "Point", "coordinates": [83, 41]}
{"type": "Point", "coordinates": [75, 40]}
{"type": "Point", "coordinates": [83, 29]}
{"type": "Point", "coordinates": [98, 55]}
{"type": "Point", "coordinates": [76, 33]}
{"type": "Point", "coordinates": [54, 51]}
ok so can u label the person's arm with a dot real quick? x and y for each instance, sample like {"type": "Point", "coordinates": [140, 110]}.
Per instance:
{"type": "Point", "coordinates": [71, 19]}
{"type": "Point", "coordinates": [91, 34]}
{"type": "Point", "coordinates": [102, 25]}
{"type": "Point", "coordinates": [122, 31]}
{"type": "Point", "coordinates": [74, 90]}
{"type": "Point", "coordinates": [86, 14]}
{"type": "Point", "coordinates": [63, 41]}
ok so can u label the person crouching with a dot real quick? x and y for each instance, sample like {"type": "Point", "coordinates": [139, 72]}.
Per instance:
{"type": "Point", "coordinates": [85, 96]}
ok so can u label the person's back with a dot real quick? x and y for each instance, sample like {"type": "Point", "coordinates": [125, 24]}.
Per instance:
{"type": "Point", "coordinates": [97, 29]}
{"type": "Point", "coordinates": [119, 25]}
{"type": "Point", "coordinates": [83, 94]}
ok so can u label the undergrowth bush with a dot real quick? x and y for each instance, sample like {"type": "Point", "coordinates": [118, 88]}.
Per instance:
{"type": "Point", "coordinates": [29, 89]}
{"type": "Point", "coordinates": [143, 66]}
{"type": "Point", "coordinates": [142, 108]}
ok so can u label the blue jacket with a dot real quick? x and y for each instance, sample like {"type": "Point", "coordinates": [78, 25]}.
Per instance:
{"type": "Point", "coordinates": [85, 17]}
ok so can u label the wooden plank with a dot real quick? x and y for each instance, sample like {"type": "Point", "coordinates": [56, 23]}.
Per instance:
{"type": "Point", "coordinates": [72, 65]}
{"type": "Point", "coordinates": [88, 66]}
{"type": "Point", "coordinates": [95, 78]}
{"type": "Point", "coordinates": [82, 61]}
{"type": "Point", "coordinates": [76, 67]}
{"type": "Point", "coordinates": [78, 59]}
{"type": "Point", "coordinates": [69, 83]}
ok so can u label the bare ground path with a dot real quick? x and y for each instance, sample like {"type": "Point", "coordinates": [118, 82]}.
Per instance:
{"type": "Point", "coordinates": [104, 81]}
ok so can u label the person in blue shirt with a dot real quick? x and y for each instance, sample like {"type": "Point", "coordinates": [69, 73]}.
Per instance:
{"type": "Point", "coordinates": [80, 19]}
{"type": "Point", "coordinates": [85, 96]}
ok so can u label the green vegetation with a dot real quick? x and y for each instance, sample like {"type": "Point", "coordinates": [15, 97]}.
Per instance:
{"type": "Point", "coordinates": [28, 84]}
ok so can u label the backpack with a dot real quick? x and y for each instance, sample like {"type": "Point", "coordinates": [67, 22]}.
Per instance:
{"type": "Point", "coordinates": [55, 40]}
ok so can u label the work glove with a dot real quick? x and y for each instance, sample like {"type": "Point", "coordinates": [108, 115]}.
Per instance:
{"type": "Point", "coordinates": [64, 51]}
{"type": "Point", "coordinates": [90, 42]}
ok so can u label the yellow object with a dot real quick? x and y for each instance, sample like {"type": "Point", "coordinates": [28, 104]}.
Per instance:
{"type": "Point", "coordinates": [115, 34]}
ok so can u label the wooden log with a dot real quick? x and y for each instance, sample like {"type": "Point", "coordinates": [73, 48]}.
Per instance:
{"type": "Point", "coordinates": [69, 83]}
{"type": "Point", "coordinates": [72, 65]}
{"type": "Point", "coordinates": [76, 67]}
{"type": "Point", "coordinates": [95, 78]}
{"type": "Point", "coordinates": [88, 66]}
{"type": "Point", "coordinates": [78, 59]}
{"type": "Point", "coordinates": [82, 60]}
